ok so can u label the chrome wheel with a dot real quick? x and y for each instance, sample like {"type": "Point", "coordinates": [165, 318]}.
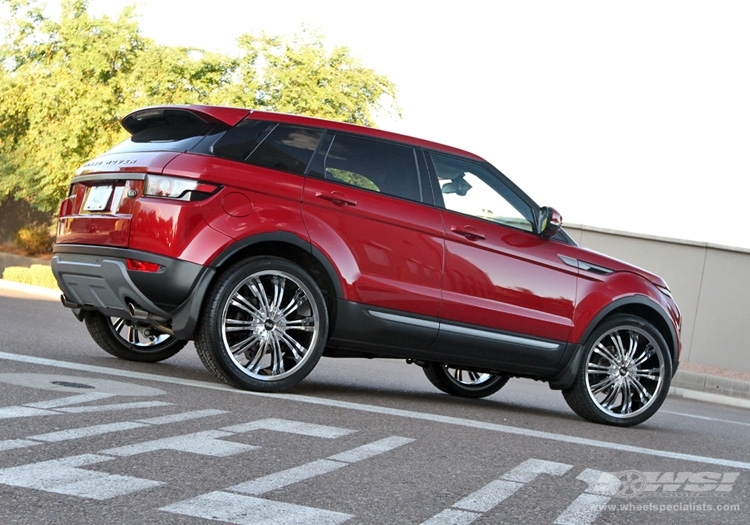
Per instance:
{"type": "Point", "coordinates": [463, 383]}
{"type": "Point", "coordinates": [269, 325]}
{"type": "Point", "coordinates": [137, 335]}
{"type": "Point", "coordinates": [625, 373]}
{"type": "Point", "coordinates": [265, 325]}
{"type": "Point", "coordinates": [128, 340]}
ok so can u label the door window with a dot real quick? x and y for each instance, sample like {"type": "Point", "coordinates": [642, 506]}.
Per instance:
{"type": "Point", "coordinates": [471, 189]}
{"type": "Point", "coordinates": [372, 165]}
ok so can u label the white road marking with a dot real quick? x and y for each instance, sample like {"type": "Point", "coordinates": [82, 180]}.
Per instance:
{"type": "Point", "coordinates": [706, 418]}
{"type": "Point", "coordinates": [496, 492]}
{"type": "Point", "coordinates": [63, 476]}
{"type": "Point", "coordinates": [114, 407]}
{"type": "Point", "coordinates": [292, 427]}
{"type": "Point", "coordinates": [16, 411]}
{"type": "Point", "coordinates": [11, 444]}
{"type": "Point", "coordinates": [453, 517]}
{"type": "Point", "coordinates": [587, 506]}
{"type": "Point", "coordinates": [583, 511]}
{"type": "Point", "coordinates": [70, 400]}
{"type": "Point", "coordinates": [312, 469]}
{"type": "Point", "coordinates": [96, 430]}
{"type": "Point", "coordinates": [246, 510]}
{"type": "Point", "coordinates": [184, 416]}
{"type": "Point", "coordinates": [206, 443]}
{"type": "Point", "coordinates": [422, 416]}
{"type": "Point", "coordinates": [371, 449]}
{"type": "Point", "coordinates": [287, 477]}
{"type": "Point", "coordinates": [84, 432]}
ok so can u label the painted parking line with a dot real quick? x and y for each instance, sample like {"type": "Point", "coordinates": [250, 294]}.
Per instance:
{"type": "Point", "coordinates": [494, 493]}
{"type": "Point", "coordinates": [244, 508]}
{"type": "Point", "coordinates": [316, 468]}
{"type": "Point", "coordinates": [291, 427]}
{"type": "Point", "coordinates": [64, 476]}
{"type": "Point", "coordinates": [372, 409]}
{"type": "Point", "coordinates": [247, 510]}
{"type": "Point", "coordinates": [85, 432]}
{"type": "Point", "coordinates": [206, 443]}
{"type": "Point", "coordinates": [70, 400]}
{"type": "Point", "coordinates": [582, 511]}
{"type": "Point", "coordinates": [98, 430]}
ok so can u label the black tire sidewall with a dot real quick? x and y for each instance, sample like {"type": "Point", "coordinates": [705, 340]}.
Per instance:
{"type": "Point", "coordinates": [210, 337]}
{"type": "Point", "coordinates": [440, 378]}
{"type": "Point", "coordinates": [103, 333]}
{"type": "Point", "coordinates": [578, 397]}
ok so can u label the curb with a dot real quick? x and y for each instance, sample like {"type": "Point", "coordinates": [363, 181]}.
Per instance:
{"type": "Point", "coordinates": [709, 387]}
{"type": "Point", "coordinates": [689, 385]}
{"type": "Point", "coordinates": [30, 289]}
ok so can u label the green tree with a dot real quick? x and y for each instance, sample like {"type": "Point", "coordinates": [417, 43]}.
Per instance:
{"type": "Point", "coordinates": [302, 76]}
{"type": "Point", "coordinates": [64, 86]}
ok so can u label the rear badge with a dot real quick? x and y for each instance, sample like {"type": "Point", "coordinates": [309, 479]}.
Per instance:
{"type": "Point", "coordinates": [132, 194]}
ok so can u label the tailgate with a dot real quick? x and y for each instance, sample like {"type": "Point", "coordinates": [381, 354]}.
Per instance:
{"type": "Point", "coordinates": [102, 196]}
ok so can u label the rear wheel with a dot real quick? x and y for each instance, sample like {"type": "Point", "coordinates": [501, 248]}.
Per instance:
{"type": "Point", "coordinates": [264, 325]}
{"type": "Point", "coordinates": [131, 341]}
{"type": "Point", "coordinates": [624, 375]}
{"type": "Point", "coordinates": [463, 383]}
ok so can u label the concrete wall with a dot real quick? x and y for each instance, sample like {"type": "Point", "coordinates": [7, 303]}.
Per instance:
{"type": "Point", "coordinates": [710, 283]}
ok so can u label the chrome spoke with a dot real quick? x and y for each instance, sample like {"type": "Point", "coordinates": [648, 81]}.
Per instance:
{"type": "Point", "coordinates": [603, 385]}
{"type": "Point", "coordinates": [624, 371]}
{"type": "Point", "coordinates": [270, 324]}
{"type": "Point", "coordinates": [605, 353]}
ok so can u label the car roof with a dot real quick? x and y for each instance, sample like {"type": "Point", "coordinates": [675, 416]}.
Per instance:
{"type": "Point", "coordinates": [234, 115]}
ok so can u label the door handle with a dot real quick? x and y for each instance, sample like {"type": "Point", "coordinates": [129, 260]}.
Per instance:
{"type": "Point", "coordinates": [468, 232]}
{"type": "Point", "coordinates": [336, 198]}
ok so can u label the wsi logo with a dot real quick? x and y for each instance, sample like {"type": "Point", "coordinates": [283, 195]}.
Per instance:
{"type": "Point", "coordinates": [634, 483]}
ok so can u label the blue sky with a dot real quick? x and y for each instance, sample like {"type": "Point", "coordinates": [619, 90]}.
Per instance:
{"type": "Point", "coordinates": [631, 116]}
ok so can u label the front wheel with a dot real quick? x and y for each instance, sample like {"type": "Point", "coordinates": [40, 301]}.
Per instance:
{"type": "Point", "coordinates": [131, 341]}
{"type": "Point", "coordinates": [463, 383]}
{"type": "Point", "coordinates": [624, 375]}
{"type": "Point", "coordinates": [264, 325]}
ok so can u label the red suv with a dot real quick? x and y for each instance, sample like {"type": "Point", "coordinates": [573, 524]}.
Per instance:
{"type": "Point", "coordinates": [272, 240]}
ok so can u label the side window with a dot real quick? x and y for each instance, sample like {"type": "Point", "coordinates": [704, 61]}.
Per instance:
{"type": "Point", "coordinates": [240, 141]}
{"type": "Point", "coordinates": [279, 147]}
{"type": "Point", "coordinates": [470, 188]}
{"type": "Point", "coordinates": [373, 165]}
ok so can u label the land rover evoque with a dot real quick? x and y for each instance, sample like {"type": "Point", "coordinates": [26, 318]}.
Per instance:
{"type": "Point", "coordinates": [271, 240]}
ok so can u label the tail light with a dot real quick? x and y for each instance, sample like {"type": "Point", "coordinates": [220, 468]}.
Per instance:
{"type": "Point", "coordinates": [177, 188]}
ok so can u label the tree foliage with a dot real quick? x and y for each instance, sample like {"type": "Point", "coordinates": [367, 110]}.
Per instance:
{"type": "Point", "coordinates": [66, 83]}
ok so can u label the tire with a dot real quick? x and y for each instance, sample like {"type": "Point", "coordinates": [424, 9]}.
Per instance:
{"type": "Point", "coordinates": [624, 374]}
{"type": "Point", "coordinates": [263, 326]}
{"type": "Point", "coordinates": [463, 383]}
{"type": "Point", "coordinates": [131, 341]}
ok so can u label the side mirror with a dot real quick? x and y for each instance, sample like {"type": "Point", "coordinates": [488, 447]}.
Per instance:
{"type": "Point", "coordinates": [550, 222]}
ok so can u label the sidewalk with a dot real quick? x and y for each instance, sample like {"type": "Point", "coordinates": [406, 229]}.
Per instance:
{"type": "Point", "coordinates": [692, 381]}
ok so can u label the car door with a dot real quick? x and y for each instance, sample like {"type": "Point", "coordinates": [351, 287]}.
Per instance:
{"type": "Point", "coordinates": [505, 288]}
{"type": "Point", "coordinates": [363, 207]}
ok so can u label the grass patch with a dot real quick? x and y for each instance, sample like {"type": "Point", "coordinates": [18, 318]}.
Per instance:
{"type": "Point", "coordinates": [36, 275]}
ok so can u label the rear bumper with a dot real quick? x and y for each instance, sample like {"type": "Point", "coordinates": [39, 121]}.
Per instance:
{"type": "Point", "coordinates": [97, 278]}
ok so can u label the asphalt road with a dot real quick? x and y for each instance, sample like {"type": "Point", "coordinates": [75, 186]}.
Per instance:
{"type": "Point", "coordinates": [89, 439]}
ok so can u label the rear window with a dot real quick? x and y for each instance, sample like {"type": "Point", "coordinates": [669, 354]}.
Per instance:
{"type": "Point", "coordinates": [276, 146]}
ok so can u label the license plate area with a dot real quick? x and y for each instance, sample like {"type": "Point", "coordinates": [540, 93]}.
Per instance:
{"type": "Point", "coordinates": [98, 198]}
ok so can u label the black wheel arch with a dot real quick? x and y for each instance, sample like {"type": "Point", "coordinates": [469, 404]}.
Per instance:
{"type": "Point", "coordinates": [281, 244]}
{"type": "Point", "coordinates": [638, 305]}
